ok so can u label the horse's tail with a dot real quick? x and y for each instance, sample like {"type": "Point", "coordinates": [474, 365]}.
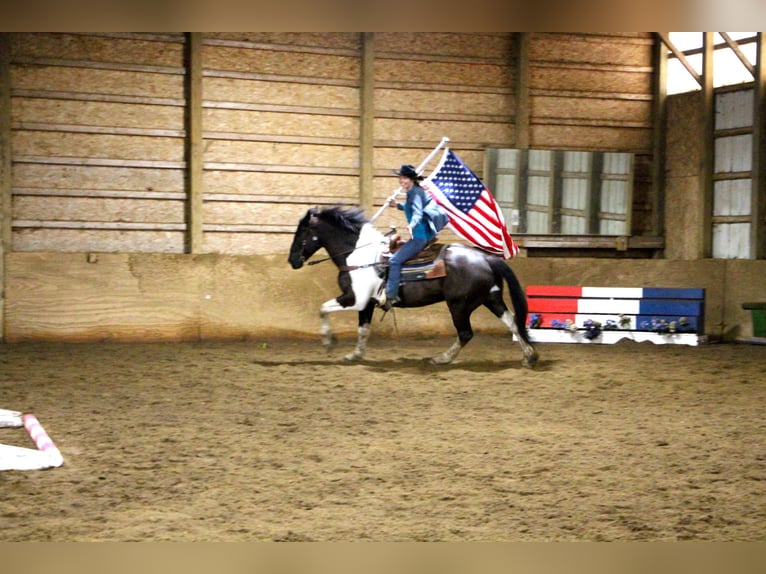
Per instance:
{"type": "Point", "coordinates": [518, 297]}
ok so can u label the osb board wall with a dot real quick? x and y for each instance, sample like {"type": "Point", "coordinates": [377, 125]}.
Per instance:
{"type": "Point", "coordinates": [99, 134]}
{"type": "Point", "coordinates": [281, 133]}
{"type": "Point", "coordinates": [591, 91]}
{"type": "Point", "coordinates": [98, 142]}
{"type": "Point", "coordinates": [683, 196]}
{"type": "Point", "coordinates": [168, 297]}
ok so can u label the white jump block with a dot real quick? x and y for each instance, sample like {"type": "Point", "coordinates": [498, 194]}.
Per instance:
{"type": "Point", "coordinates": [611, 337]}
{"type": "Point", "coordinates": [10, 418]}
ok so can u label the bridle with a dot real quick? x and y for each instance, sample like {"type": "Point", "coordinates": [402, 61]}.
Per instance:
{"type": "Point", "coordinates": [347, 252]}
{"type": "Point", "coordinates": [344, 267]}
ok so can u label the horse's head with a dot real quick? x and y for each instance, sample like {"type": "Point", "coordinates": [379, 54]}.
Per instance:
{"type": "Point", "coordinates": [305, 241]}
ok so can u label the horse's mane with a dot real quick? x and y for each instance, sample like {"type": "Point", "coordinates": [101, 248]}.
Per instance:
{"type": "Point", "coordinates": [348, 218]}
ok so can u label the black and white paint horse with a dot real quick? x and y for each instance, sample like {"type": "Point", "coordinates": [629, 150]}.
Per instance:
{"type": "Point", "coordinates": [473, 278]}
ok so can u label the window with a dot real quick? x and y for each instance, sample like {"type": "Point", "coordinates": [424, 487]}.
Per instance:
{"type": "Point", "coordinates": [562, 192]}
{"type": "Point", "coordinates": [735, 211]}
{"type": "Point", "coordinates": [732, 174]}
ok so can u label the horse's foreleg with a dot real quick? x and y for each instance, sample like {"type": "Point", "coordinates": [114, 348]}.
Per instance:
{"type": "Point", "coordinates": [363, 333]}
{"type": "Point", "coordinates": [325, 330]}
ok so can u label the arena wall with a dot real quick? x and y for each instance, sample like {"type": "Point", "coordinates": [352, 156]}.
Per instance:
{"type": "Point", "coordinates": [165, 297]}
{"type": "Point", "coordinates": [99, 165]}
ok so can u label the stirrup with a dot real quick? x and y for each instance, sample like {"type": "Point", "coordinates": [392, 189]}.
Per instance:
{"type": "Point", "coordinates": [388, 303]}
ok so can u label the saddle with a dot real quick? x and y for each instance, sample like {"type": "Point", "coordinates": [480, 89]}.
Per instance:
{"type": "Point", "coordinates": [427, 264]}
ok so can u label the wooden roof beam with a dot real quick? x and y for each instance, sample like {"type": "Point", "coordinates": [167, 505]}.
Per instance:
{"type": "Point", "coordinates": [665, 37]}
{"type": "Point", "coordinates": [740, 54]}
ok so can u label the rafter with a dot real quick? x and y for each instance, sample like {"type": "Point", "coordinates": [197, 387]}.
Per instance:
{"type": "Point", "coordinates": [681, 57]}
{"type": "Point", "coordinates": [740, 54]}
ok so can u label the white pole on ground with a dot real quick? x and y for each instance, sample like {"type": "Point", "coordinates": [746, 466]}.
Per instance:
{"type": "Point", "coordinates": [47, 454]}
{"type": "Point", "coordinates": [10, 418]}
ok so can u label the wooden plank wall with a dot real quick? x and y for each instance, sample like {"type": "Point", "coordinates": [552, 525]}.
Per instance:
{"type": "Point", "coordinates": [281, 130]}
{"type": "Point", "coordinates": [591, 91]}
{"type": "Point", "coordinates": [98, 142]}
{"type": "Point", "coordinates": [99, 125]}
{"type": "Point", "coordinates": [594, 92]}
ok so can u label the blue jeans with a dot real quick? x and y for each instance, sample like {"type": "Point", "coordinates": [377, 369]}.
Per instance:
{"type": "Point", "coordinates": [406, 251]}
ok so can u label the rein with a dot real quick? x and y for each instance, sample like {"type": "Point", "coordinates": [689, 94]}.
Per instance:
{"type": "Point", "coordinates": [352, 267]}
{"type": "Point", "coordinates": [345, 267]}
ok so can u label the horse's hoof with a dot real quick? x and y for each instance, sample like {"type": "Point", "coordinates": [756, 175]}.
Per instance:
{"type": "Point", "coordinates": [352, 358]}
{"type": "Point", "coordinates": [529, 362]}
{"type": "Point", "coordinates": [440, 360]}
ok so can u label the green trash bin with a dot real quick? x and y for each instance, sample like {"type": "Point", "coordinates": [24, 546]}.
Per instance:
{"type": "Point", "coordinates": [758, 314]}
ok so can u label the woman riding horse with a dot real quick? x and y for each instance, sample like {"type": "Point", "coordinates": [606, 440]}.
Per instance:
{"type": "Point", "coordinates": [473, 278]}
{"type": "Point", "coordinates": [421, 230]}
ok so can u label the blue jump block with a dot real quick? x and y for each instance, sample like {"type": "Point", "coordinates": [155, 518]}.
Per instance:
{"type": "Point", "coordinates": [673, 293]}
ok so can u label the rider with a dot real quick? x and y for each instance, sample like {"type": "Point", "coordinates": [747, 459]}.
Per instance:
{"type": "Point", "coordinates": [421, 232]}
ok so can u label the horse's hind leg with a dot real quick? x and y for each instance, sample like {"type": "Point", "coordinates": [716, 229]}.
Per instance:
{"type": "Point", "coordinates": [461, 319]}
{"type": "Point", "coordinates": [496, 304]}
{"type": "Point", "coordinates": [530, 353]}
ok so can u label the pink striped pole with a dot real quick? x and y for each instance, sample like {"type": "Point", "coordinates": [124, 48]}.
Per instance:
{"type": "Point", "coordinates": [42, 440]}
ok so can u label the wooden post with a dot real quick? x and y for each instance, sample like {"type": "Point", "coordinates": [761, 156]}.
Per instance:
{"type": "Point", "coordinates": [367, 122]}
{"type": "Point", "coordinates": [758, 210]}
{"type": "Point", "coordinates": [522, 185]}
{"type": "Point", "coordinates": [194, 143]}
{"type": "Point", "coordinates": [521, 129]}
{"type": "Point", "coordinates": [5, 166]}
{"type": "Point", "coordinates": [594, 192]}
{"type": "Point", "coordinates": [660, 58]}
{"type": "Point", "coordinates": [521, 125]}
{"type": "Point", "coordinates": [557, 191]}
{"type": "Point", "coordinates": [706, 165]}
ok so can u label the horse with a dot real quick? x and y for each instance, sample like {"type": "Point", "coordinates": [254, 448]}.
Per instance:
{"type": "Point", "coordinates": [473, 278]}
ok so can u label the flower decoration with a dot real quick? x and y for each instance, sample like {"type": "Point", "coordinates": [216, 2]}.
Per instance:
{"type": "Point", "coordinates": [535, 321]}
{"type": "Point", "coordinates": [592, 329]}
{"type": "Point", "coordinates": [567, 325]}
{"type": "Point", "coordinates": [666, 327]}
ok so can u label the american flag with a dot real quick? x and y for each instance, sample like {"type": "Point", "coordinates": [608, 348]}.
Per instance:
{"type": "Point", "coordinates": [473, 213]}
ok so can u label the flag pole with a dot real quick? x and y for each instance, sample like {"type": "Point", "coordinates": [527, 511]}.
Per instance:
{"type": "Point", "coordinates": [419, 169]}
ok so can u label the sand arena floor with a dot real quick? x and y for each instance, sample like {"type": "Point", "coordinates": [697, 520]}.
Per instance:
{"type": "Point", "coordinates": [277, 441]}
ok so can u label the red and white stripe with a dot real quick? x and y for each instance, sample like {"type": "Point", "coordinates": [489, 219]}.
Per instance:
{"type": "Point", "coordinates": [47, 455]}
{"type": "Point", "coordinates": [38, 434]}
{"type": "Point", "coordinates": [483, 225]}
